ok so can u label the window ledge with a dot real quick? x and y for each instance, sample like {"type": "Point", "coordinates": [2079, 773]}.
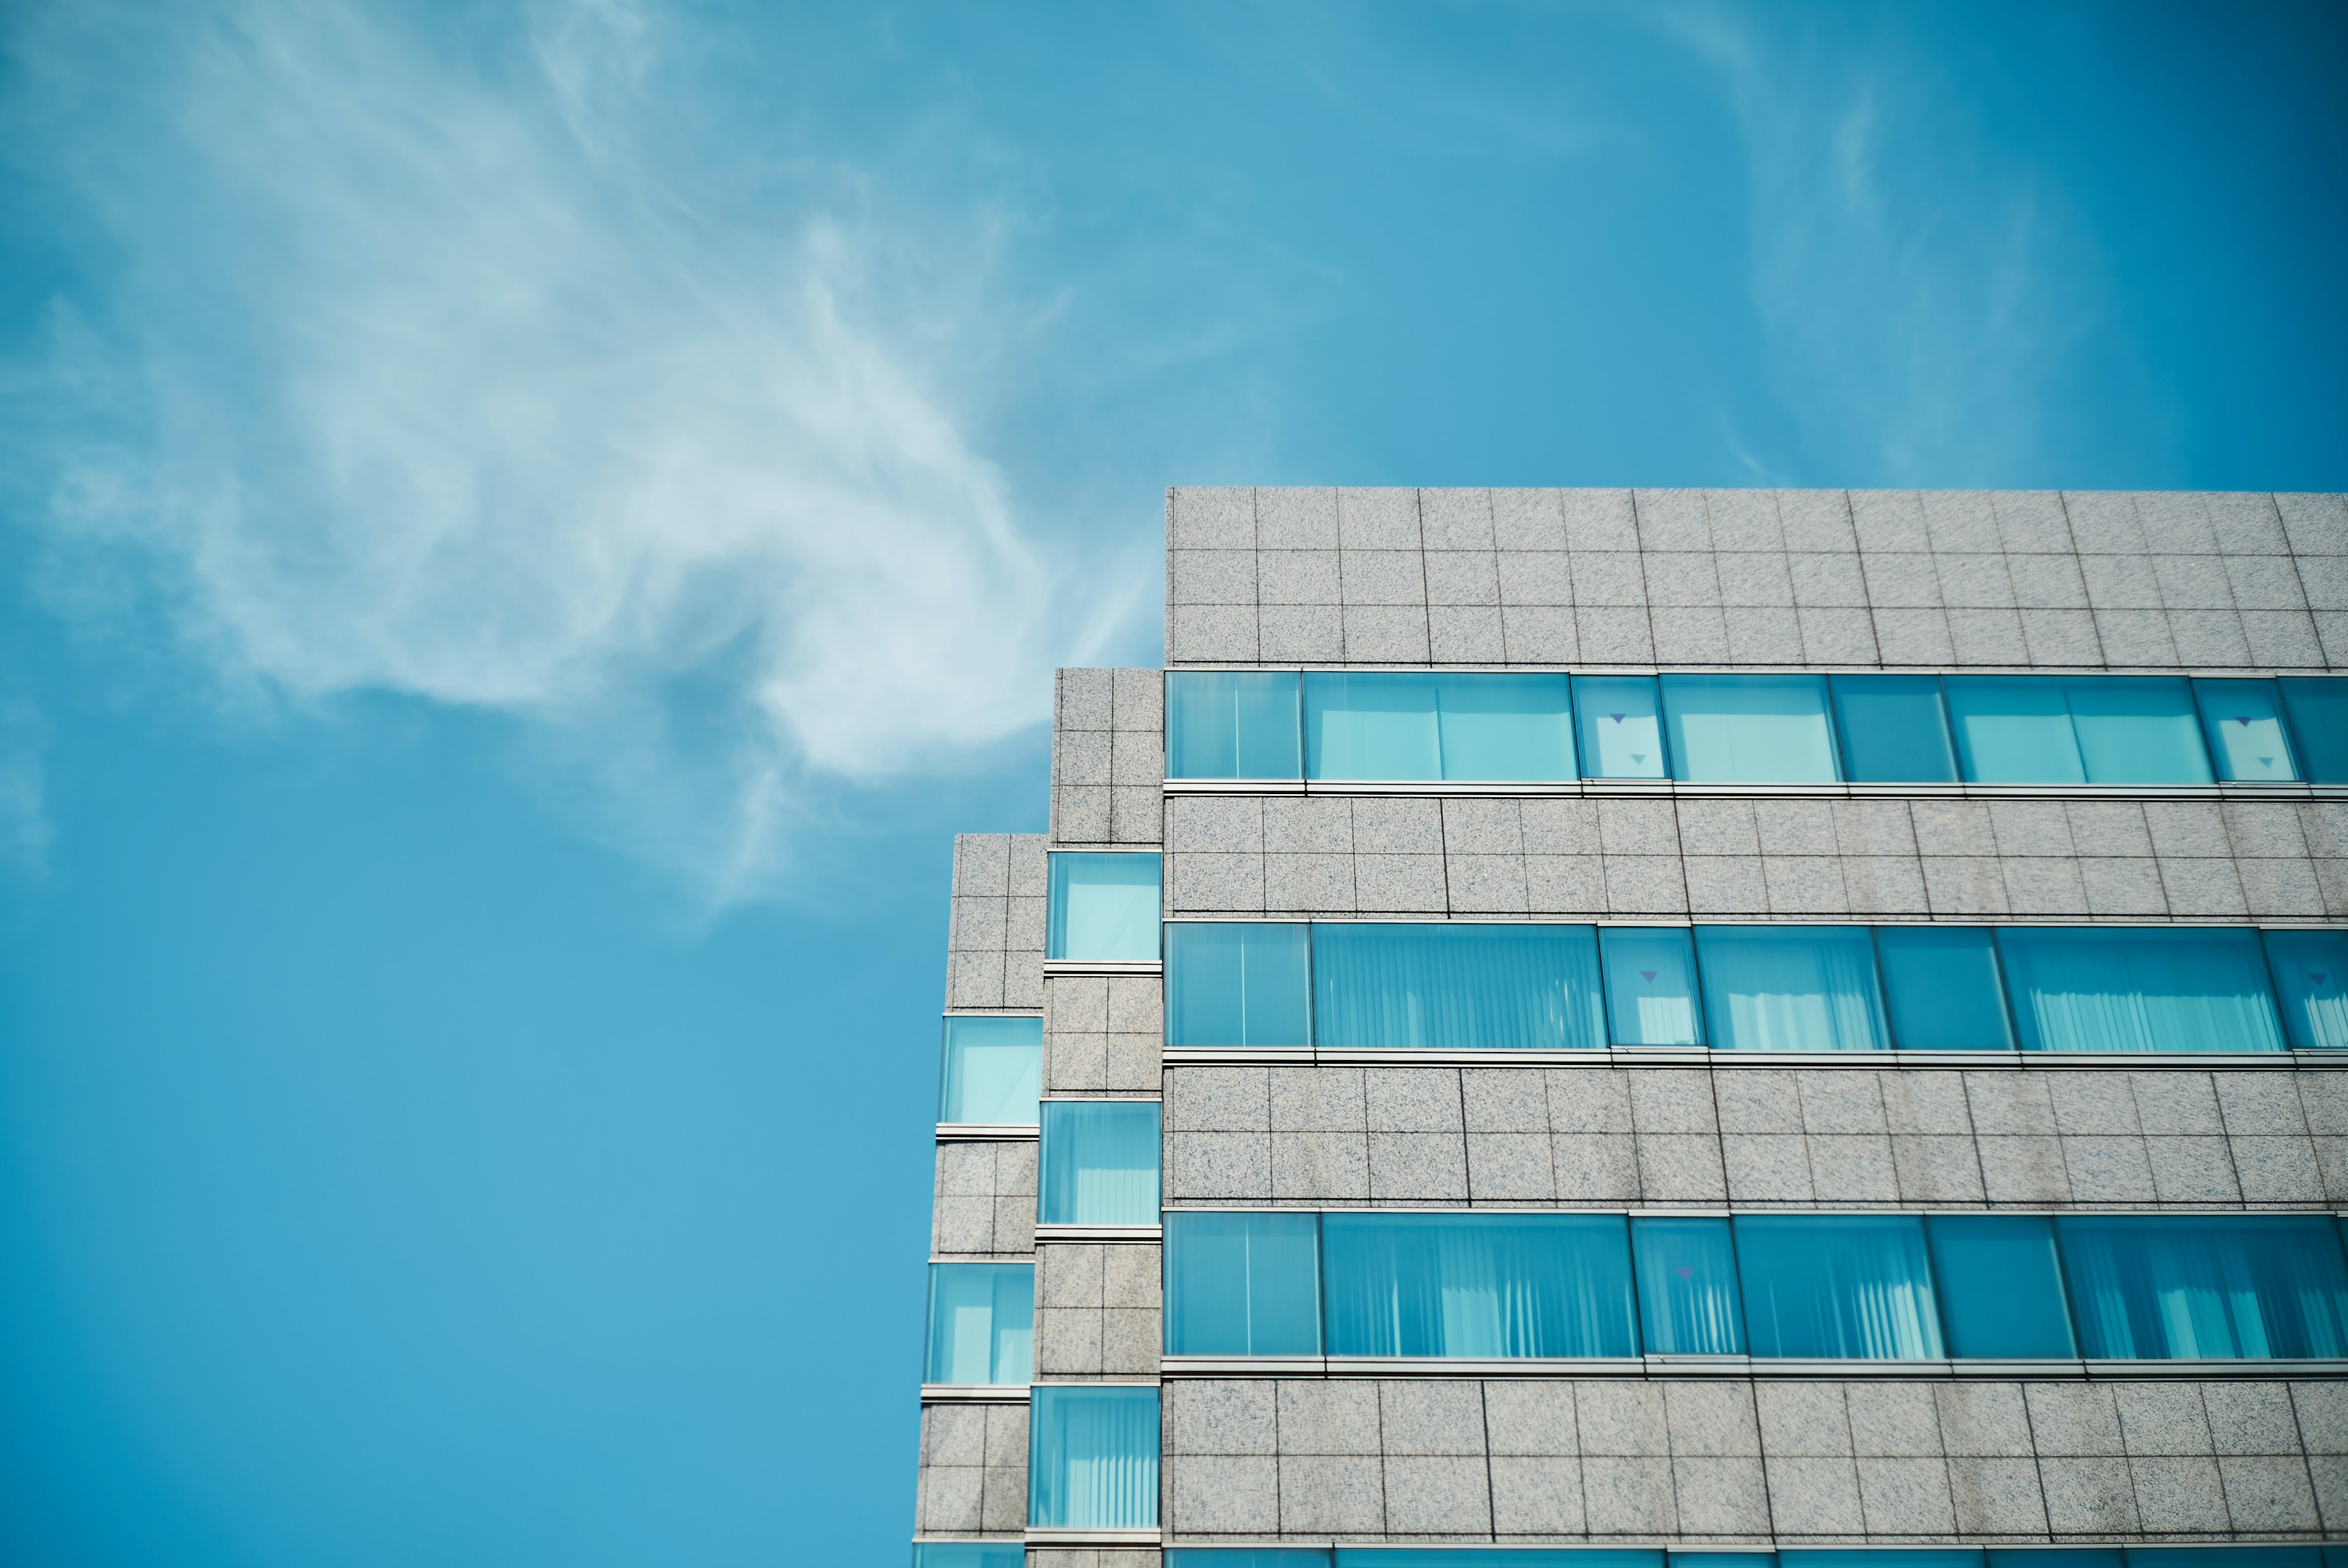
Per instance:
{"type": "Point", "coordinates": [1041, 1535]}
{"type": "Point", "coordinates": [1150, 1235]}
{"type": "Point", "coordinates": [1100, 967]}
{"type": "Point", "coordinates": [1660, 1056]}
{"type": "Point", "coordinates": [988, 1132]}
{"type": "Point", "coordinates": [1773, 1369]}
{"type": "Point", "coordinates": [973, 1393]}
{"type": "Point", "coordinates": [1671, 787]}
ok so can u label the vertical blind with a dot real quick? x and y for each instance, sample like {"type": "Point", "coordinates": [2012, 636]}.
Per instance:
{"type": "Point", "coordinates": [1456, 987]}
{"type": "Point", "coordinates": [2106, 989]}
{"type": "Point", "coordinates": [1687, 1287]}
{"type": "Point", "coordinates": [1790, 987]}
{"type": "Point", "coordinates": [1099, 1162]}
{"type": "Point", "coordinates": [1243, 1283]}
{"type": "Point", "coordinates": [982, 1322]}
{"type": "Point", "coordinates": [1842, 1285]}
{"type": "Point", "coordinates": [2254, 1287]}
{"type": "Point", "coordinates": [1092, 1458]}
{"type": "Point", "coordinates": [1236, 984]}
{"type": "Point", "coordinates": [1650, 985]}
{"type": "Point", "coordinates": [1232, 724]}
{"type": "Point", "coordinates": [1478, 1284]}
{"type": "Point", "coordinates": [1749, 728]}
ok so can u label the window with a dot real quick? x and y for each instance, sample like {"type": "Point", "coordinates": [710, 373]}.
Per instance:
{"type": "Point", "coordinates": [1099, 1162]}
{"type": "Point", "coordinates": [1243, 1283]}
{"type": "Point", "coordinates": [1248, 1557]}
{"type": "Point", "coordinates": [2087, 729]}
{"type": "Point", "coordinates": [1621, 726]}
{"type": "Point", "coordinates": [1749, 728]}
{"type": "Point", "coordinates": [2318, 707]}
{"type": "Point", "coordinates": [1516, 728]}
{"type": "Point", "coordinates": [2001, 1285]}
{"type": "Point", "coordinates": [1092, 1458]}
{"type": "Point", "coordinates": [2088, 988]}
{"type": "Point", "coordinates": [2251, 1285]}
{"type": "Point", "coordinates": [1941, 983]}
{"type": "Point", "coordinates": [1840, 1285]}
{"type": "Point", "coordinates": [2311, 972]}
{"type": "Point", "coordinates": [2243, 720]}
{"type": "Point", "coordinates": [1456, 986]}
{"type": "Point", "coordinates": [1650, 985]}
{"type": "Point", "coordinates": [994, 1069]}
{"type": "Point", "coordinates": [1478, 1285]}
{"type": "Point", "coordinates": [1104, 908]}
{"type": "Point", "coordinates": [1790, 987]}
{"type": "Point", "coordinates": [969, 1554]}
{"type": "Point", "coordinates": [982, 1322]}
{"type": "Point", "coordinates": [1687, 1287]}
{"type": "Point", "coordinates": [1244, 985]}
{"type": "Point", "coordinates": [1894, 729]}
{"type": "Point", "coordinates": [1232, 724]}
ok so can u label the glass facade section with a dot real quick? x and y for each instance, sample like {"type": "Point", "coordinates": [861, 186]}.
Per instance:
{"type": "Point", "coordinates": [1092, 1458]}
{"type": "Point", "coordinates": [1409, 725]}
{"type": "Point", "coordinates": [1621, 726]}
{"type": "Point", "coordinates": [1238, 984]}
{"type": "Point", "coordinates": [1232, 724]}
{"type": "Point", "coordinates": [982, 1322]}
{"type": "Point", "coordinates": [1687, 1287]}
{"type": "Point", "coordinates": [2000, 1286]}
{"type": "Point", "coordinates": [1478, 1285]}
{"type": "Point", "coordinates": [2237, 1556]}
{"type": "Point", "coordinates": [1943, 988]}
{"type": "Point", "coordinates": [2249, 1286]}
{"type": "Point", "coordinates": [2106, 988]}
{"type": "Point", "coordinates": [2310, 976]}
{"type": "Point", "coordinates": [2013, 730]}
{"type": "Point", "coordinates": [1099, 1162]}
{"type": "Point", "coordinates": [1894, 729]}
{"type": "Point", "coordinates": [1650, 993]}
{"type": "Point", "coordinates": [1456, 987]}
{"type": "Point", "coordinates": [1749, 728]}
{"type": "Point", "coordinates": [1104, 908]}
{"type": "Point", "coordinates": [1243, 1283]}
{"type": "Point", "coordinates": [2317, 708]}
{"type": "Point", "coordinates": [1790, 987]}
{"type": "Point", "coordinates": [969, 1554]}
{"type": "Point", "coordinates": [2085, 729]}
{"type": "Point", "coordinates": [994, 1069]}
{"type": "Point", "coordinates": [1847, 1287]}
{"type": "Point", "coordinates": [2243, 722]}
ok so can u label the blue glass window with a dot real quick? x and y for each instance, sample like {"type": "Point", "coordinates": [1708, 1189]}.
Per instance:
{"type": "Point", "coordinates": [1687, 1287]}
{"type": "Point", "coordinates": [2310, 1556]}
{"type": "Point", "coordinates": [2243, 720]}
{"type": "Point", "coordinates": [1843, 1285]}
{"type": "Point", "coordinates": [1373, 726]}
{"type": "Point", "coordinates": [1724, 1560]}
{"type": "Point", "coordinates": [1749, 728]}
{"type": "Point", "coordinates": [2085, 729]}
{"type": "Point", "coordinates": [2014, 729]}
{"type": "Point", "coordinates": [994, 1069]}
{"type": "Point", "coordinates": [1382, 725]}
{"type": "Point", "coordinates": [1232, 724]}
{"type": "Point", "coordinates": [2057, 1557]}
{"type": "Point", "coordinates": [1247, 1557]}
{"type": "Point", "coordinates": [982, 1322]}
{"type": "Point", "coordinates": [1506, 728]}
{"type": "Point", "coordinates": [1243, 1283]}
{"type": "Point", "coordinates": [1092, 1458]}
{"type": "Point", "coordinates": [1099, 1162]}
{"type": "Point", "coordinates": [1239, 984]}
{"type": "Point", "coordinates": [1457, 986]}
{"type": "Point", "coordinates": [1894, 729]}
{"type": "Point", "coordinates": [2251, 1286]}
{"type": "Point", "coordinates": [2311, 972]}
{"type": "Point", "coordinates": [1650, 985]}
{"type": "Point", "coordinates": [1789, 987]}
{"type": "Point", "coordinates": [2089, 989]}
{"type": "Point", "coordinates": [1104, 908]}
{"type": "Point", "coordinates": [969, 1554]}
{"type": "Point", "coordinates": [2318, 707]}
{"type": "Point", "coordinates": [1478, 1285]}
{"type": "Point", "coordinates": [1485, 1557]}
{"type": "Point", "coordinates": [1942, 987]}
{"type": "Point", "coordinates": [1881, 1557]}
{"type": "Point", "coordinates": [1621, 726]}
{"type": "Point", "coordinates": [2000, 1286]}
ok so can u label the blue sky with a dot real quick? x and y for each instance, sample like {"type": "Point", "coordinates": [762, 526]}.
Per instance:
{"type": "Point", "coordinates": [525, 529]}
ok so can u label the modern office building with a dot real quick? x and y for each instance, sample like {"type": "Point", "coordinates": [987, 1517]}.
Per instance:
{"type": "Point", "coordinates": [1590, 1025]}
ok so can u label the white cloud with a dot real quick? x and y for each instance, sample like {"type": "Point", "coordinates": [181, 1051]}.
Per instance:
{"type": "Point", "coordinates": [466, 369]}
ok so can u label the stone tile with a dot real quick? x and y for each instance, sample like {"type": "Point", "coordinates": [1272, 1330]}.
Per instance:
{"type": "Point", "coordinates": [1333, 1416]}
{"type": "Point", "coordinates": [2210, 639]}
{"type": "Point", "coordinates": [1411, 1099]}
{"type": "Point", "coordinates": [1680, 579]}
{"type": "Point", "coordinates": [1595, 520]}
{"type": "Point", "coordinates": [1815, 1497]}
{"type": "Point", "coordinates": [1815, 520]}
{"type": "Point", "coordinates": [1668, 1100]}
{"type": "Point", "coordinates": [2162, 1418]}
{"type": "Point", "coordinates": [2115, 887]}
{"type": "Point", "coordinates": [2010, 1103]}
{"type": "Point", "coordinates": [2073, 1419]}
{"type": "Point", "coordinates": [1418, 1166]}
{"type": "Point", "coordinates": [1728, 884]}
{"type": "Point", "coordinates": [1899, 581]}
{"type": "Point", "coordinates": [2180, 1496]}
{"type": "Point", "coordinates": [1984, 1420]}
{"type": "Point", "coordinates": [1761, 1099]}
{"type": "Point", "coordinates": [1629, 1497]}
{"type": "Point", "coordinates": [1210, 1166]}
{"type": "Point", "coordinates": [1299, 634]}
{"type": "Point", "coordinates": [1759, 579]}
{"type": "Point", "coordinates": [1906, 1496]}
{"type": "Point", "coordinates": [1690, 636]}
{"type": "Point", "coordinates": [2121, 582]}
{"type": "Point", "coordinates": [1937, 1169]}
{"type": "Point", "coordinates": [1535, 1416]}
{"type": "Point", "coordinates": [2115, 1170]}
{"type": "Point", "coordinates": [1210, 577]}
{"type": "Point", "coordinates": [1217, 1100]}
{"type": "Point", "coordinates": [1837, 1101]}
{"type": "Point", "coordinates": [2025, 1170]}
{"type": "Point", "coordinates": [2251, 1417]}
{"type": "Point", "coordinates": [1385, 634]}
{"type": "Point", "coordinates": [1885, 885]}
{"type": "Point", "coordinates": [1924, 1103]}
{"type": "Point", "coordinates": [1717, 828]}
{"type": "Point", "coordinates": [1321, 1166]}
{"type": "Point", "coordinates": [1218, 1495]}
{"type": "Point", "coordinates": [1616, 636]}
{"type": "Point", "coordinates": [1529, 578]}
{"type": "Point", "coordinates": [1838, 637]}
{"type": "Point", "coordinates": [1378, 519]}
{"type": "Point", "coordinates": [1995, 1496]}
{"type": "Point", "coordinates": [1621, 1418]}
{"type": "Point", "coordinates": [1529, 634]}
{"type": "Point", "coordinates": [1431, 1417]}
{"type": "Point", "coordinates": [1802, 1419]}
{"type": "Point", "coordinates": [1535, 1497]}
{"type": "Point", "coordinates": [1565, 883]}
{"type": "Point", "coordinates": [2278, 1170]}
{"type": "Point", "coordinates": [1605, 578]}
{"type": "Point", "coordinates": [2088, 1496]}
{"type": "Point", "coordinates": [2322, 1411]}
{"type": "Point", "coordinates": [1216, 1416]}
{"type": "Point", "coordinates": [2092, 1102]}
{"type": "Point", "coordinates": [1855, 1170]}
{"type": "Point", "coordinates": [1461, 519]}
{"type": "Point", "coordinates": [1893, 1420]}
{"type": "Point", "coordinates": [1889, 520]}
{"type": "Point", "coordinates": [2316, 524]}
{"type": "Point", "coordinates": [1645, 884]}
{"type": "Point", "coordinates": [1713, 1420]}
{"type": "Point", "coordinates": [2057, 638]}
{"type": "Point", "coordinates": [1309, 884]}
{"type": "Point", "coordinates": [1722, 1496]}
{"type": "Point", "coordinates": [2266, 1492]}
{"type": "Point", "coordinates": [1765, 1168]}
{"type": "Point", "coordinates": [2191, 1170]}
{"type": "Point", "coordinates": [1763, 636]}
{"type": "Point", "coordinates": [2136, 637]}
{"type": "Point", "coordinates": [1509, 1167]}
{"type": "Point", "coordinates": [1975, 581]}
{"type": "Point", "coordinates": [2283, 638]}
{"type": "Point", "coordinates": [1463, 578]}
{"type": "Point", "coordinates": [1594, 1167]}
{"type": "Point", "coordinates": [1330, 1495]}
{"type": "Point", "coordinates": [1672, 520]}
{"type": "Point", "coordinates": [1199, 516]}
{"type": "Point", "coordinates": [1681, 1168]}
{"type": "Point", "coordinates": [2049, 886]}
{"type": "Point", "coordinates": [1965, 886]}
{"type": "Point", "coordinates": [1598, 1100]}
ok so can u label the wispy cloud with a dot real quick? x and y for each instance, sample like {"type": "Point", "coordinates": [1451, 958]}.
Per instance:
{"type": "Point", "coordinates": [25, 827]}
{"type": "Point", "coordinates": [457, 365]}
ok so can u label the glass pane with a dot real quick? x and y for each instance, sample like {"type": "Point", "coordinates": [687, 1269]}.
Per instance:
{"type": "Point", "coordinates": [1371, 727]}
{"type": "Point", "coordinates": [1724, 1560]}
{"type": "Point", "coordinates": [1619, 720]}
{"type": "Point", "coordinates": [1789, 987]}
{"type": "Point", "coordinates": [1104, 908]}
{"type": "Point", "coordinates": [1749, 728]}
{"type": "Point", "coordinates": [2001, 1285]}
{"type": "Point", "coordinates": [2056, 1557]}
{"type": "Point", "coordinates": [2243, 1286]}
{"type": "Point", "coordinates": [1485, 1557]}
{"type": "Point", "coordinates": [1466, 987]}
{"type": "Point", "coordinates": [1092, 1458]}
{"type": "Point", "coordinates": [969, 1554]}
{"type": "Point", "coordinates": [1478, 1285]}
{"type": "Point", "coordinates": [2243, 720]}
{"type": "Point", "coordinates": [2311, 969]}
{"type": "Point", "coordinates": [1894, 729]}
{"type": "Point", "coordinates": [1100, 1163]}
{"type": "Point", "coordinates": [2090, 989]}
{"type": "Point", "coordinates": [1650, 985]}
{"type": "Point", "coordinates": [1236, 984]}
{"type": "Point", "coordinates": [1247, 1557]}
{"type": "Point", "coordinates": [1242, 1285]}
{"type": "Point", "coordinates": [2014, 729]}
{"type": "Point", "coordinates": [2245, 1556]}
{"type": "Point", "coordinates": [982, 1322]}
{"type": "Point", "coordinates": [1517, 728]}
{"type": "Point", "coordinates": [1879, 1557]}
{"type": "Point", "coordinates": [1687, 1287]}
{"type": "Point", "coordinates": [1232, 724]}
{"type": "Point", "coordinates": [1944, 987]}
{"type": "Point", "coordinates": [995, 1070]}
{"type": "Point", "coordinates": [2137, 729]}
{"type": "Point", "coordinates": [2318, 707]}
{"type": "Point", "coordinates": [1845, 1285]}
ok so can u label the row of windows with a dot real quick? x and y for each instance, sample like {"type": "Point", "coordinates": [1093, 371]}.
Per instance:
{"type": "Point", "coordinates": [1011, 1554]}
{"type": "Point", "coordinates": [1908, 1287]}
{"type": "Point", "coordinates": [1756, 728]}
{"type": "Point", "coordinates": [1465, 986]}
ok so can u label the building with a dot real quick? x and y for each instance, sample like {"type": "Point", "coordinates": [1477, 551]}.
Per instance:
{"type": "Point", "coordinates": [1694, 1021]}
